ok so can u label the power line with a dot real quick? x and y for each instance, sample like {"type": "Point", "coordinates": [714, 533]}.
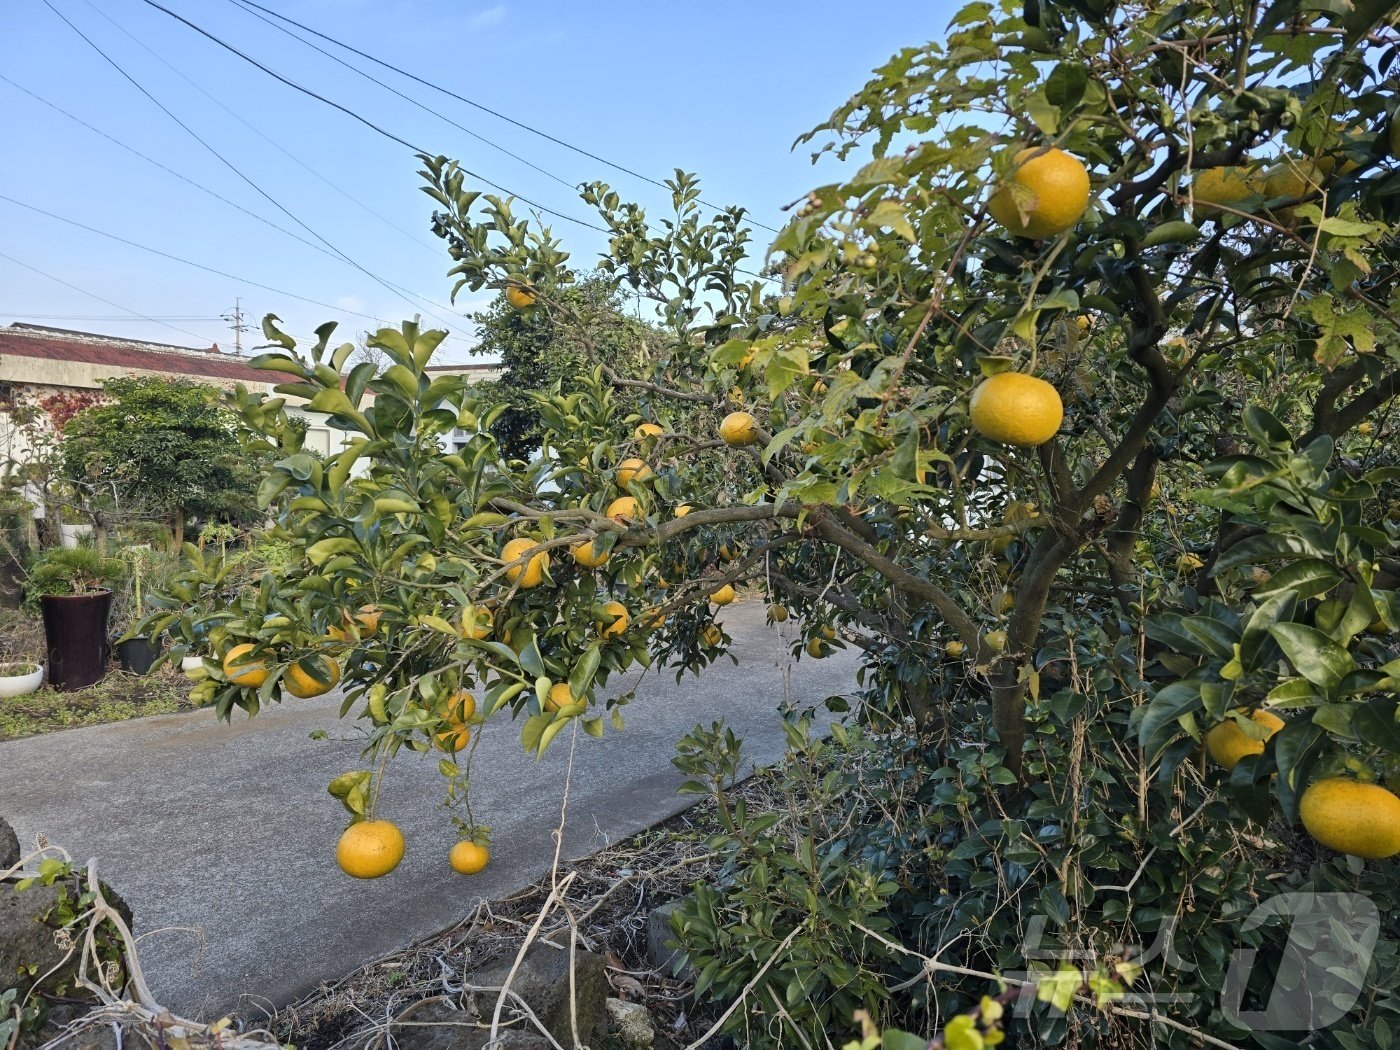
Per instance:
{"type": "Point", "coordinates": [477, 105]}
{"type": "Point", "coordinates": [168, 170]}
{"type": "Point", "coordinates": [418, 151]}
{"type": "Point", "coordinates": [235, 169]}
{"type": "Point", "coordinates": [100, 317]}
{"type": "Point", "coordinates": [192, 182]}
{"type": "Point", "coordinates": [407, 98]}
{"type": "Point", "coordinates": [93, 295]}
{"type": "Point", "coordinates": [436, 250]}
{"type": "Point", "coordinates": [307, 91]}
{"type": "Point", "coordinates": [189, 262]}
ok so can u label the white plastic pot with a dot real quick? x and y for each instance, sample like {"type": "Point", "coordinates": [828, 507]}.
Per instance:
{"type": "Point", "coordinates": [19, 684]}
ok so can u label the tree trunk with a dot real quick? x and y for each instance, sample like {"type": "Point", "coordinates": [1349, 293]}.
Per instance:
{"type": "Point", "coordinates": [179, 527]}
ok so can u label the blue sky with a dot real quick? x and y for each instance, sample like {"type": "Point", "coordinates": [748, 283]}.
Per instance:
{"type": "Point", "coordinates": [717, 88]}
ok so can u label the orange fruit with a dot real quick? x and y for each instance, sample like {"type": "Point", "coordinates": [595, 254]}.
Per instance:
{"type": "Point", "coordinates": [738, 429]}
{"type": "Point", "coordinates": [724, 595]}
{"type": "Point", "coordinates": [585, 557]}
{"type": "Point", "coordinates": [369, 849]}
{"type": "Point", "coordinates": [954, 648]}
{"type": "Point", "coordinates": [777, 613]}
{"type": "Point", "coordinates": [477, 622]}
{"type": "Point", "coordinates": [520, 297]}
{"type": "Point", "coordinates": [633, 469]}
{"type": "Point", "coordinates": [454, 738]}
{"type": "Point", "coordinates": [712, 635]}
{"type": "Point", "coordinates": [1351, 817]}
{"type": "Point", "coordinates": [1045, 194]}
{"type": "Point", "coordinates": [623, 509]}
{"type": "Point", "coordinates": [1227, 743]}
{"type": "Point", "coordinates": [1016, 409]}
{"type": "Point", "coordinates": [311, 676]}
{"type": "Point", "coordinates": [560, 697]}
{"type": "Point", "coordinates": [240, 670]}
{"type": "Point", "coordinates": [469, 857]}
{"type": "Point", "coordinates": [458, 711]}
{"type": "Point", "coordinates": [531, 573]}
{"type": "Point", "coordinates": [368, 618]}
{"type": "Point", "coordinates": [1225, 187]}
{"type": "Point", "coordinates": [817, 649]}
{"type": "Point", "coordinates": [618, 622]}
{"type": "Point", "coordinates": [647, 430]}
{"type": "Point", "coordinates": [683, 510]}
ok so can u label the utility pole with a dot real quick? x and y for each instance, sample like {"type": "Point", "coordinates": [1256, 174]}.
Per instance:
{"type": "Point", "coordinates": [236, 322]}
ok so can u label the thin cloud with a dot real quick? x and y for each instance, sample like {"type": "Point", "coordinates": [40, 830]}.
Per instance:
{"type": "Point", "coordinates": [492, 16]}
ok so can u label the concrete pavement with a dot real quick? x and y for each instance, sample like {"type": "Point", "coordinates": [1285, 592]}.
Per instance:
{"type": "Point", "coordinates": [222, 837]}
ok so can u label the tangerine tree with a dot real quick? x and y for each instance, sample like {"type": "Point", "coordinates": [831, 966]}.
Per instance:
{"type": "Point", "coordinates": [1068, 407]}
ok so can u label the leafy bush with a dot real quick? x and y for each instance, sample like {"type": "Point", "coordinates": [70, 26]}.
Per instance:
{"type": "Point", "coordinates": [67, 571]}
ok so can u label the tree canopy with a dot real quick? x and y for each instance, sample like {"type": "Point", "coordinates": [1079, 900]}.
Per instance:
{"type": "Point", "coordinates": [166, 447]}
{"type": "Point", "coordinates": [1069, 407]}
{"type": "Point", "coordinates": [546, 347]}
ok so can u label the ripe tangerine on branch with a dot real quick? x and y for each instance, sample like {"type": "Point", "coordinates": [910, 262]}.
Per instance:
{"type": "Point", "coordinates": [1351, 817]}
{"type": "Point", "coordinates": [469, 858]}
{"type": "Point", "coordinates": [1045, 194]}
{"type": "Point", "coordinates": [240, 670]}
{"type": "Point", "coordinates": [1016, 409]}
{"type": "Point", "coordinates": [369, 849]}
{"type": "Point", "coordinates": [311, 676]}
{"type": "Point", "coordinates": [738, 429]}
{"type": "Point", "coordinates": [1227, 743]}
{"type": "Point", "coordinates": [531, 573]}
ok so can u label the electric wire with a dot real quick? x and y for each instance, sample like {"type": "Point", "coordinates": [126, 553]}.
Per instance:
{"type": "Point", "coordinates": [407, 98]}
{"type": "Point", "coordinates": [94, 295]}
{"type": "Point", "coordinates": [190, 262]}
{"type": "Point", "coordinates": [417, 150]}
{"type": "Point", "coordinates": [311, 169]}
{"type": "Point", "coordinates": [186, 179]}
{"type": "Point", "coordinates": [237, 171]}
{"type": "Point", "coordinates": [485, 109]}
{"type": "Point", "coordinates": [168, 170]}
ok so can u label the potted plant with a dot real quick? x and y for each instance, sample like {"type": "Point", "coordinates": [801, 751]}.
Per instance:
{"type": "Point", "coordinates": [72, 587]}
{"type": "Point", "coordinates": [20, 679]}
{"type": "Point", "coordinates": [137, 652]}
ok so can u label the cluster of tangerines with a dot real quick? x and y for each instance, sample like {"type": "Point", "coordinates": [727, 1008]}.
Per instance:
{"type": "Point", "coordinates": [1046, 194]}
{"type": "Point", "coordinates": [1350, 816]}
{"type": "Point", "coordinates": [370, 848]}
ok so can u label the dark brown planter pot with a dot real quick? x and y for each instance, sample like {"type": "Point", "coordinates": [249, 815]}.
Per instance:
{"type": "Point", "coordinates": [75, 628]}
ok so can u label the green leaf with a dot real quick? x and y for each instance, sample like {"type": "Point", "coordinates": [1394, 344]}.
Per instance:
{"type": "Point", "coordinates": [581, 677]}
{"type": "Point", "coordinates": [1315, 656]}
{"type": "Point", "coordinates": [532, 731]}
{"type": "Point", "coordinates": [531, 662]}
{"type": "Point", "coordinates": [1178, 231]}
{"type": "Point", "coordinates": [322, 551]}
{"type": "Point", "coordinates": [1306, 578]}
{"type": "Point", "coordinates": [1265, 427]}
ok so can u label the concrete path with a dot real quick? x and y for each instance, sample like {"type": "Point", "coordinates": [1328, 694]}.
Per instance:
{"type": "Point", "coordinates": [222, 837]}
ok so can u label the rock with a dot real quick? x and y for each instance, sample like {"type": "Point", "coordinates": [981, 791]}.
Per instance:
{"type": "Point", "coordinates": [660, 935]}
{"type": "Point", "coordinates": [633, 1023]}
{"type": "Point", "coordinates": [27, 944]}
{"type": "Point", "coordinates": [33, 946]}
{"type": "Point", "coordinates": [9, 846]}
{"type": "Point", "coordinates": [438, 1025]}
{"type": "Point", "coordinates": [543, 983]}
{"type": "Point", "coordinates": [93, 1037]}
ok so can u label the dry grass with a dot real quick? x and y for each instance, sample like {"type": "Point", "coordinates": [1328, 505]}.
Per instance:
{"type": "Point", "coordinates": [609, 897]}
